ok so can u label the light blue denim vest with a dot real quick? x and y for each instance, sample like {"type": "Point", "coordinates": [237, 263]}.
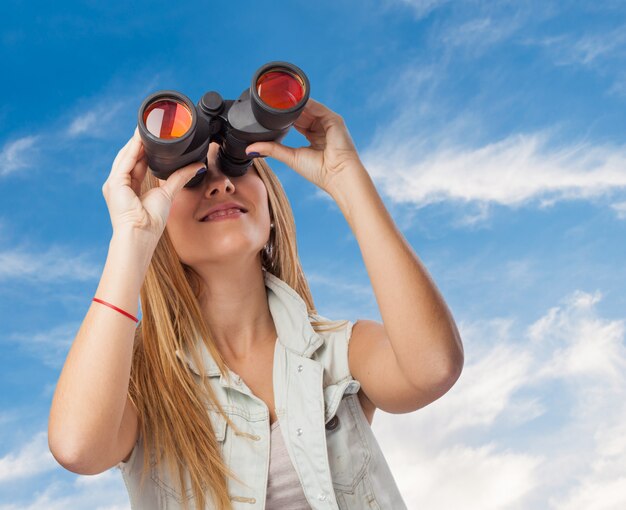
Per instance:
{"type": "Point", "coordinates": [329, 440]}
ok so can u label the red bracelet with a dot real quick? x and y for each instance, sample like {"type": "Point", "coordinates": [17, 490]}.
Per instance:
{"type": "Point", "coordinates": [116, 308]}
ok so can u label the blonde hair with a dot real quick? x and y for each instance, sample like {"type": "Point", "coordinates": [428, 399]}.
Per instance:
{"type": "Point", "coordinates": [171, 405]}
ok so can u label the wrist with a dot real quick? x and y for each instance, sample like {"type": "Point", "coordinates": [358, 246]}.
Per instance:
{"type": "Point", "coordinates": [133, 250]}
{"type": "Point", "coordinates": [134, 238]}
{"type": "Point", "coordinates": [345, 182]}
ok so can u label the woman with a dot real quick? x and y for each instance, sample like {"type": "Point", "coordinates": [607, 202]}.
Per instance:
{"type": "Point", "coordinates": [242, 394]}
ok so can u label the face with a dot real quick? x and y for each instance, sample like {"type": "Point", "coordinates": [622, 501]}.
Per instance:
{"type": "Point", "coordinates": [225, 240]}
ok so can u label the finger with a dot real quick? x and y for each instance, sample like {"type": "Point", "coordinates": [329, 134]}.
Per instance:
{"type": "Point", "coordinates": [120, 153]}
{"type": "Point", "coordinates": [133, 151]}
{"type": "Point", "coordinates": [177, 180]}
{"type": "Point", "coordinates": [317, 109]}
{"type": "Point", "coordinates": [128, 156]}
{"type": "Point", "coordinates": [316, 117]}
{"type": "Point", "coordinates": [275, 150]}
{"type": "Point", "coordinates": [124, 149]}
{"type": "Point", "coordinates": [305, 131]}
{"type": "Point", "coordinates": [138, 174]}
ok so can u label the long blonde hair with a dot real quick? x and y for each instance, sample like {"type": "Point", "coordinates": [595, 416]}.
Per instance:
{"type": "Point", "coordinates": [171, 405]}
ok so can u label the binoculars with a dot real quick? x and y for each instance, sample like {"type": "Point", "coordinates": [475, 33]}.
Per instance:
{"type": "Point", "coordinates": [175, 132]}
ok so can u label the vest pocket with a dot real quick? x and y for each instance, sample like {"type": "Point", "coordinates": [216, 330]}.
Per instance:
{"type": "Point", "coordinates": [168, 482]}
{"type": "Point", "coordinates": [348, 452]}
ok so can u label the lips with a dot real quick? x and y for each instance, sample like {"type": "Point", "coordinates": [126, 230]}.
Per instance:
{"type": "Point", "coordinates": [222, 213]}
{"type": "Point", "coordinates": [224, 209]}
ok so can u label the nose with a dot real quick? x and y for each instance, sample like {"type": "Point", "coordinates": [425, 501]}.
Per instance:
{"type": "Point", "coordinates": [217, 181]}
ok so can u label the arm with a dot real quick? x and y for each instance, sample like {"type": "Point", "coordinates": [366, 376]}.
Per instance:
{"type": "Point", "coordinates": [93, 424]}
{"type": "Point", "coordinates": [416, 355]}
{"type": "Point", "coordinates": [90, 399]}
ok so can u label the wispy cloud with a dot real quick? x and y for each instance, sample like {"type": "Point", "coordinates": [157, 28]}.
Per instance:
{"type": "Point", "coordinates": [16, 155]}
{"type": "Point", "coordinates": [620, 209]}
{"type": "Point", "coordinates": [423, 8]}
{"type": "Point", "coordinates": [100, 120]}
{"type": "Point", "coordinates": [476, 31]}
{"type": "Point", "coordinates": [107, 113]}
{"type": "Point", "coordinates": [52, 265]}
{"type": "Point", "coordinates": [50, 346]}
{"type": "Point", "coordinates": [101, 117]}
{"type": "Point", "coordinates": [488, 29]}
{"type": "Point", "coordinates": [587, 49]}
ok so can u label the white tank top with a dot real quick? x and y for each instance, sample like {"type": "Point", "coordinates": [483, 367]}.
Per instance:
{"type": "Point", "coordinates": [284, 491]}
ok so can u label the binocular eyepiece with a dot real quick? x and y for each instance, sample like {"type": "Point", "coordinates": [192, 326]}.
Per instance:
{"type": "Point", "coordinates": [175, 132]}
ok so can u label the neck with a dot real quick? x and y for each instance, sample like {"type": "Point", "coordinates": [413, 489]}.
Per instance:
{"type": "Point", "coordinates": [234, 305]}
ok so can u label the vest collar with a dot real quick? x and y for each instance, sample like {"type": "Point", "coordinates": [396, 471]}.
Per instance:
{"type": "Point", "coordinates": [291, 320]}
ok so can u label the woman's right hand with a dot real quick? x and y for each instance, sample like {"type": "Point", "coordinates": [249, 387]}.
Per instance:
{"type": "Point", "coordinates": [149, 212]}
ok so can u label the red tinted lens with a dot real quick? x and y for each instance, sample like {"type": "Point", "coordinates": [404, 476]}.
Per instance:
{"type": "Point", "coordinates": [167, 118]}
{"type": "Point", "coordinates": [280, 89]}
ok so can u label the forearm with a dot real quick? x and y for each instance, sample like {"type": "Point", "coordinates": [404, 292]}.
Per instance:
{"type": "Point", "coordinates": [91, 392]}
{"type": "Point", "coordinates": [421, 329]}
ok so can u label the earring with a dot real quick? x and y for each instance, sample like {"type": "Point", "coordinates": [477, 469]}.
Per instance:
{"type": "Point", "coordinates": [272, 224]}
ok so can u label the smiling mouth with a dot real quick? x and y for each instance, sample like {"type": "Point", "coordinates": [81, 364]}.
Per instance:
{"type": "Point", "coordinates": [224, 213]}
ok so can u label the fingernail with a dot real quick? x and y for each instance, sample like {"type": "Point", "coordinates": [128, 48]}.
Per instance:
{"type": "Point", "coordinates": [253, 154]}
{"type": "Point", "coordinates": [201, 171]}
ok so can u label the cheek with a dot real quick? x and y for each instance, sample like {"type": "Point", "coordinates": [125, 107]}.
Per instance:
{"type": "Point", "coordinates": [180, 210]}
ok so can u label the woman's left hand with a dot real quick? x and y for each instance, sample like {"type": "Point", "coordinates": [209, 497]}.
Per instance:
{"type": "Point", "coordinates": [331, 150]}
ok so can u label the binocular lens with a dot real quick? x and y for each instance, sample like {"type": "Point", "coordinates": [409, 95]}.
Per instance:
{"type": "Point", "coordinates": [280, 89]}
{"type": "Point", "coordinates": [167, 118]}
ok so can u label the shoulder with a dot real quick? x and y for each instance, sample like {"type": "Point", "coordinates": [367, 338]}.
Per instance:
{"type": "Point", "coordinates": [333, 352]}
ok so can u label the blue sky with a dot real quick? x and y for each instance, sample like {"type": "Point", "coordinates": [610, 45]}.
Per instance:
{"type": "Point", "coordinates": [494, 134]}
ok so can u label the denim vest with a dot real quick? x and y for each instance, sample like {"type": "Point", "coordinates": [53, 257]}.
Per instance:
{"type": "Point", "coordinates": [329, 440]}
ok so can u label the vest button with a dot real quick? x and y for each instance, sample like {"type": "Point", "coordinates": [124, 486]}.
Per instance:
{"type": "Point", "coordinates": [333, 423]}
{"type": "Point", "coordinates": [299, 432]}
{"type": "Point", "coordinates": [321, 496]}
{"type": "Point", "coordinates": [300, 368]}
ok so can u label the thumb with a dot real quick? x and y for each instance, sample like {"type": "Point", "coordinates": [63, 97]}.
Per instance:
{"type": "Point", "coordinates": [178, 178]}
{"type": "Point", "coordinates": [275, 150]}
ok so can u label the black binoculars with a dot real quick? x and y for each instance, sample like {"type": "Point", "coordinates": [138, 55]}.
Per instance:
{"type": "Point", "coordinates": [175, 132]}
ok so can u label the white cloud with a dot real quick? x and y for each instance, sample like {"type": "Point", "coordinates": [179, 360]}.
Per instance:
{"type": "Point", "coordinates": [31, 460]}
{"type": "Point", "coordinates": [597, 495]}
{"type": "Point", "coordinates": [105, 491]}
{"type": "Point", "coordinates": [15, 155]}
{"type": "Point", "coordinates": [580, 343]}
{"type": "Point", "coordinates": [519, 170]}
{"type": "Point", "coordinates": [535, 420]}
{"type": "Point", "coordinates": [480, 478]}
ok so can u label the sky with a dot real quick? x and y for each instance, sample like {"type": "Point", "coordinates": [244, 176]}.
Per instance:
{"type": "Point", "coordinates": [493, 132]}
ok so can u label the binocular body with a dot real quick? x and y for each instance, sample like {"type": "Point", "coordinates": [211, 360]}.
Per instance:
{"type": "Point", "coordinates": [175, 132]}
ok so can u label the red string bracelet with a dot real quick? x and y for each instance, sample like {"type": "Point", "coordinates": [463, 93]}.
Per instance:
{"type": "Point", "coordinates": [115, 308]}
